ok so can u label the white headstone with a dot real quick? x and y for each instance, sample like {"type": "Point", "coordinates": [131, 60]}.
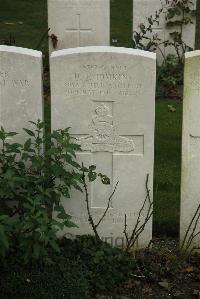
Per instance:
{"type": "Point", "coordinates": [106, 95]}
{"type": "Point", "coordinates": [20, 88]}
{"type": "Point", "coordinates": [143, 9]}
{"type": "Point", "coordinates": [190, 186]}
{"type": "Point", "coordinates": [78, 23]}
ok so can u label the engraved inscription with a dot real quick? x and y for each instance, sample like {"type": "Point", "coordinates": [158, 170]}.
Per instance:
{"type": "Point", "coordinates": [7, 80]}
{"type": "Point", "coordinates": [103, 134]}
{"type": "Point", "coordinates": [101, 80]}
{"type": "Point", "coordinates": [111, 217]}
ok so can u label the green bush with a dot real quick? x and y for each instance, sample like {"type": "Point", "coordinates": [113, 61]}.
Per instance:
{"type": "Point", "coordinates": [32, 181]}
{"type": "Point", "coordinates": [66, 279]}
{"type": "Point", "coordinates": [169, 76]}
{"type": "Point", "coordinates": [84, 267]}
{"type": "Point", "coordinates": [106, 266]}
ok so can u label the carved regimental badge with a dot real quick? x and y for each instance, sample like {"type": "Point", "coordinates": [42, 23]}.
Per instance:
{"type": "Point", "coordinates": [103, 135]}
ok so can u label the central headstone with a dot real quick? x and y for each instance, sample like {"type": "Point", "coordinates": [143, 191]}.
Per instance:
{"type": "Point", "coordinates": [106, 95]}
{"type": "Point", "coordinates": [78, 23]}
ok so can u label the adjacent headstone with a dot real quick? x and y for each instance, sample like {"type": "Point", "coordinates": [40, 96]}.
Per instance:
{"type": "Point", "coordinates": [106, 95]}
{"type": "Point", "coordinates": [143, 9]}
{"type": "Point", "coordinates": [20, 88]}
{"type": "Point", "coordinates": [190, 187]}
{"type": "Point", "coordinates": [78, 23]}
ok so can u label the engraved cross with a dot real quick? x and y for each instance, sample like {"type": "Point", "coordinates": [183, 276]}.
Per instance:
{"type": "Point", "coordinates": [102, 145]}
{"type": "Point", "coordinates": [78, 30]}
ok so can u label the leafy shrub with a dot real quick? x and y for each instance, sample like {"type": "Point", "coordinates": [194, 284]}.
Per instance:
{"type": "Point", "coordinates": [177, 13]}
{"type": "Point", "coordinates": [169, 76]}
{"type": "Point", "coordinates": [66, 280]}
{"type": "Point", "coordinates": [32, 181]}
{"type": "Point", "coordinates": [106, 266]}
{"type": "Point", "coordinates": [84, 267]}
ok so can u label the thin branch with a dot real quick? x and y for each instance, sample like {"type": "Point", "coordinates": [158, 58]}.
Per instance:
{"type": "Point", "coordinates": [125, 229]}
{"type": "Point", "coordinates": [137, 230]}
{"type": "Point", "coordinates": [189, 227]}
{"type": "Point", "coordinates": [90, 219]}
{"type": "Point", "coordinates": [108, 206]}
{"type": "Point", "coordinates": [191, 238]}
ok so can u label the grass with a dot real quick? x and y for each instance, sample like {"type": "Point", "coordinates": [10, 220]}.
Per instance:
{"type": "Point", "coordinates": [121, 18]}
{"type": "Point", "coordinates": [26, 21]}
{"type": "Point", "coordinates": [167, 167]}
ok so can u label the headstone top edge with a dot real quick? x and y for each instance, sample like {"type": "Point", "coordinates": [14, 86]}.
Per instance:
{"type": "Point", "coordinates": [104, 49]}
{"type": "Point", "coordinates": [192, 54]}
{"type": "Point", "coordinates": [20, 50]}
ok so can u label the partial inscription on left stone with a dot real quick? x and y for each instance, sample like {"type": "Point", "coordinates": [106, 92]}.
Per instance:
{"type": "Point", "coordinates": [20, 89]}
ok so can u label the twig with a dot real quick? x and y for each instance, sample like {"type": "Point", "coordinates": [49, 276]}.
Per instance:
{"type": "Point", "coordinates": [108, 206]}
{"type": "Point", "coordinates": [90, 219]}
{"type": "Point", "coordinates": [192, 236]}
{"type": "Point", "coordinates": [189, 227]}
{"type": "Point", "coordinates": [125, 229]}
{"type": "Point", "coordinates": [137, 230]}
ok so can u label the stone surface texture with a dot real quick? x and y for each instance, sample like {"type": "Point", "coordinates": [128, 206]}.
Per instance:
{"type": "Point", "coordinates": [142, 9]}
{"type": "Point", "coordinates": [190, 187]}
{"type": "Point", "coordinates": [20, 88]}
{"type": "Point", "coordinates": [79, 23]}
{"type": "Point", "coordinates": [107, 96]}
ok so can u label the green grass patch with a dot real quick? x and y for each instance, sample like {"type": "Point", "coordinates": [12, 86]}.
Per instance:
{"type": "Point", "coordinates": [167, 167]}
{"type": "Point", "coordinates": [25, 21]}
{"type": "Point", "coordinates": [121, 22]}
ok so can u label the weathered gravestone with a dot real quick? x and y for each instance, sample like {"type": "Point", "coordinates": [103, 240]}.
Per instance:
{"type": "Point", "coordinates": [78, 23]}
{"type": "Point", "coordinates": [190, 186]}
{"type": "Point", "coordinates": [143, 9]}
{"type": "Point", "coordinates": [106, 95]}
{"type": "Point", "coordinates": [20, 88]}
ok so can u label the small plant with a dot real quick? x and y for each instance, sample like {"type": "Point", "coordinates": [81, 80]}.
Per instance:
{"type": "Point", "coordinates": [140, 223]}
{"type": "Point", "coordinates": [178, 13]}
{"type": "Point", "coordinates": [191, 234]}
{"type": "Point", "coordinates": [33, 179]}
{"type": "Point", "coordinates": [169, 76]}
{"type": "Point", "coordinates": [92, 175]}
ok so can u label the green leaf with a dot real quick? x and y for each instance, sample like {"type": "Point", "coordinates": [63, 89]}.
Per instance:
{"type": "Point", "coordinates": [55, 246]}
{"type": "Point", "coordinates": [10, 134]}
{"type": "Point", "coordinates": [27, 144]}
{"type": "Point", "coordinates": [92, 176]}
{"type": "Point", "coordinates": [92, 167]}
{"type": "Point", "coordinates": [104, 179]}
{"type": "Point", "coordinates": [70, 224]}
{"type": "Point", "coordinates": [29, 132]}
{"type": "Point", "coordinates": [2, 135]}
